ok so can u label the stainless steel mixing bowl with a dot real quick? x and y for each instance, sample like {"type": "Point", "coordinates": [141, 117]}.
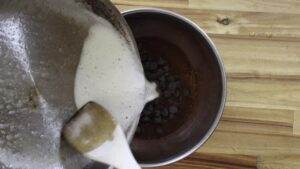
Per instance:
{"type": "Point", "coordinates": [39, 54]}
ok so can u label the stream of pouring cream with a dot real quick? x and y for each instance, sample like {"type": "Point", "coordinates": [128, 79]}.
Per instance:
{"type": "Point", "coordinates": [110, 74]}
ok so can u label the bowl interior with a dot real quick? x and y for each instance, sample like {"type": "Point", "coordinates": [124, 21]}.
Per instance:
{"type": "Point", "coordinates": [194, 60]}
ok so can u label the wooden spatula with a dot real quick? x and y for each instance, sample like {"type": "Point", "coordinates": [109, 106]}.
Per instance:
{"type": "Point", "coordinates": [95, 134]}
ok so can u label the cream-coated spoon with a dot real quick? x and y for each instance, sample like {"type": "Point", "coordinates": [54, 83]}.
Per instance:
{"type": "Point", "coordinates": [95, 134]}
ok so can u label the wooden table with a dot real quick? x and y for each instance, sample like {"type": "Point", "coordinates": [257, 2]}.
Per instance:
{"type": "Point", "coordinates": [259, 41]}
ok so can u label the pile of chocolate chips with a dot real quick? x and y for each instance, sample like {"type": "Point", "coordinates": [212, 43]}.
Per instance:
{"type": "Point", "coordinates": [172, 93]}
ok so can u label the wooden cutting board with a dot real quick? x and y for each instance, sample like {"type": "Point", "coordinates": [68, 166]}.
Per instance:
{"type": "Point", "coordinates": [259, 42]}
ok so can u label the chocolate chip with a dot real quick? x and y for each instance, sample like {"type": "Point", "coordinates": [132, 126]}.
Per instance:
{"type": "Point", "coordinates": [173, 109]}
{"type": "Point", "coordinates": [161, 61]}
{"type": "Point", "coordinates": [158, 119]}
{"type": "Point", "coordinates": [160, 72]}
{"type": "Point", "coordinates": [158, 113]}
{"type": "Point", "coordinates": [167, 94]}
{"type": "Point", "coordinates": [152, 66]}
{"type": "Point", "coordinates": [150, 107]}
{"type": "Point", "coordinates": [147, 112]}
{"type": "Point", "coordinates": [159, 130]}
{"type": "Point", "coordinates": [146, 119]}
{"type": "Point", "coordinates": [171, 78]}
{"type": "Point", "coordinates": [165, 113]}
{"type": "Point", "coordinates": [162, 79]}
{"type": "Point", "coordinates": [172, 86]}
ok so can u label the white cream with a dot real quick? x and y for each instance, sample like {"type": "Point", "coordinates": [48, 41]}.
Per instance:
{"type": "Point", "coordinates": [110, 74]}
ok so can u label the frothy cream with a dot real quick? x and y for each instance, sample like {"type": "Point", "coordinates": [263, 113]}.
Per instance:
{"type": "Point", "coordinates": [110, 74]}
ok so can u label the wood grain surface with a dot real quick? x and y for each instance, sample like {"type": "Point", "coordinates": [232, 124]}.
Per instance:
{"type": "Point", "coordinates": [259, 41]}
